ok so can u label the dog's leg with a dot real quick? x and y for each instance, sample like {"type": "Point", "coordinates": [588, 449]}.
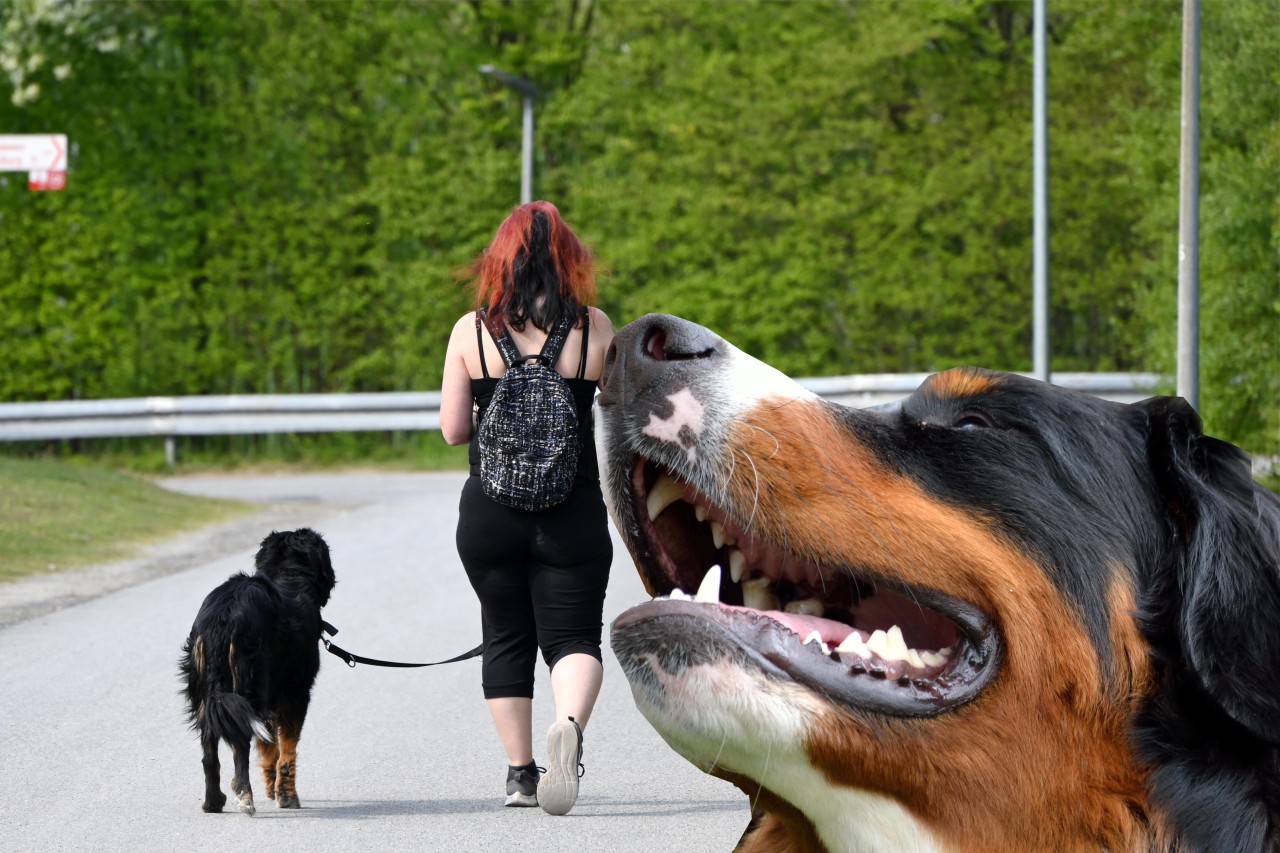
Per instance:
{"type": "Point", "coordinates": [214, 799]}
{"type": "Point", "coordinates": [269, 754]}
{"type": "Point", "coordinates": [287, 768]}
{"type": "Point", "coordinates": [240, 782]}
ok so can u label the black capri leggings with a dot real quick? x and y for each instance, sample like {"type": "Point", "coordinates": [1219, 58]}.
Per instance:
{"type": "Point", "coordinates": [540, 578]}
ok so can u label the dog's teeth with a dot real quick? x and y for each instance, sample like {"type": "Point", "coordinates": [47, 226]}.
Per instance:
{"type": "Point", "coordinates": [945, 653]}
{"type": "Point", "coordinates": [709, 589]}
{"type": "Point", "coordinates": [806, 607]}
{"type": "Point", "coordinates": [932, 659]}
{"type": "Point", "coordinates": [878, 644]}
{"type": "Point", "coordinates": [826, 650]}
{"type": "Point", "coordinates": [915, 658]}
{"type": "Point", "coordinates": [664, 493]}
{"type": "Point", "coordinates": [717, 534]}
{"type": "Point", "coordinates": [700, 512]}
{"type": "Point", "coordinates": [679, 594]}
{"type": "Point", "coordinates": [757, 595]}
{"type": "Point", "coordinates": [814, 637]}
{"type": "Point", "coordinates": [895, 645]}
{"type": "Point", "coordinates": [853, 643]}
{"type": "Point", "coordinates": [737, 564]}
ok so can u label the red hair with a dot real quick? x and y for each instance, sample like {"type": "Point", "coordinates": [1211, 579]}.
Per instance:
{"type": "Point", "coordinates": [535, 269]}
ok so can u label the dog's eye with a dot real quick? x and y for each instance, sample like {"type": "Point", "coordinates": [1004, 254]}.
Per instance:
{"type": "Point", "coordinates": [972, 421]}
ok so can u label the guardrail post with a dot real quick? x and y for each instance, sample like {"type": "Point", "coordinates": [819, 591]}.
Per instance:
{"type": "Point", "coordinates": [170, 451]}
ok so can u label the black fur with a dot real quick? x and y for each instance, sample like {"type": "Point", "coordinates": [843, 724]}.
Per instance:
{"type": "Point", "coordinates": [251, 660]}
{"type": "Point", "coordinates": [1212, 613]}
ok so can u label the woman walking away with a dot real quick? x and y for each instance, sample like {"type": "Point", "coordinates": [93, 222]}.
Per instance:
{"type": "Point", "coordinates": [533, 534]}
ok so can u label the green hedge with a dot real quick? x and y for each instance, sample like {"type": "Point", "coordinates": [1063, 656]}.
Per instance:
{"type": "Point", "coordinates": [275, 196]}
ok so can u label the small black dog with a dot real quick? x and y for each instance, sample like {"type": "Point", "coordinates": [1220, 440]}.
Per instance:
{"type": "Point", "coordinates": [251, 660]}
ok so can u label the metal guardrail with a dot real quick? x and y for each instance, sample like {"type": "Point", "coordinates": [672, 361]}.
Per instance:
{"type": "Point", "coordinates": [251, 414]}
{"type": "Point", "coordinates": [872, 389]}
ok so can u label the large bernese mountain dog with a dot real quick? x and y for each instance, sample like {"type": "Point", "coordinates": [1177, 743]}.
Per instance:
{"type": "Point", "coordinates": [250, 662]}
{"type": "Point", "coordinates": [994, 616]}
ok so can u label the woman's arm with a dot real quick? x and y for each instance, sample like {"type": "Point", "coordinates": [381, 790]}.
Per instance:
{"type": "Point", "coordinates": [601, 337]}
{"type": "Point", "coordinates": [456, 403]}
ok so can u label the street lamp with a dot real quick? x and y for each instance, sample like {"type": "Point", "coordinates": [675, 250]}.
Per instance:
{"type": "Point", "coordinates": [528, 92]}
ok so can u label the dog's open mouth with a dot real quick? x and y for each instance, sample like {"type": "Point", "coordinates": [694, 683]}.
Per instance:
{"type": "Point", "coordinates": [865, 640]}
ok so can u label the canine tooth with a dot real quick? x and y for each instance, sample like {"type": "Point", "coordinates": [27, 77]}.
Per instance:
{"type": "Point", "coordinates": [896, 645]}
{"type": "Point", "coordinates": [814, 637]}
{"type": "Point", "coordinates": [932, 659]}
{"type": "Point", "coordinates": [915, 659]}
{"type": "Point", "coordinates": [717, 534]}
{"type": "Point", "coordinates": [806, 607]}
{"type": "Point", "coordinates": [737, 562]}
{"type": "Point", "coordinates": [879, 643]}
{"type": "Point", "coordinates": [709, 589]}
{"type": "Point", "coordinates": [700, 512]}
{"type": "Point", "coordinates": [853, 643]}
{"type": "Point", "coordinates": [757, 595]}
{"type": "Point", "coordinates": [664, 493]}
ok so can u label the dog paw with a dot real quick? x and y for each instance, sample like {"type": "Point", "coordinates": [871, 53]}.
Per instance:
{"type": "Point", "coordinates": [213, 803]}
{"type": "Point", "coordinates": [244, 802]}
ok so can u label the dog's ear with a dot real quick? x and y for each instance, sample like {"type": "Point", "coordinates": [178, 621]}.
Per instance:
{"type": "Point", "coordinates": [313, 545]}
{"type": "Point", "coordinates": [1227, 565]}
{"type": "Point", "coordinates": [269, 552]}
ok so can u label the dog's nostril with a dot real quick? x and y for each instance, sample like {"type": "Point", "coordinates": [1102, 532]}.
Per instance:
{"type": "Point", "coordinates": [659, 347]}
{"type": "Point", "coordinates": [655, 344]}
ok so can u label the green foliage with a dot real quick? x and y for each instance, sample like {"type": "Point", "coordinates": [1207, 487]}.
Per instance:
{"type": "Point", "coordinates": [276, 196]}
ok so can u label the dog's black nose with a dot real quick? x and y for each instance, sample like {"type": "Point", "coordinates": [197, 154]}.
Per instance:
{"type": "Point", "coordinates": [652, 349]}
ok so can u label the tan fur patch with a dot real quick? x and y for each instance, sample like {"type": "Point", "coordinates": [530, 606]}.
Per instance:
{"type": "Point", "coordinates": [956, 383]}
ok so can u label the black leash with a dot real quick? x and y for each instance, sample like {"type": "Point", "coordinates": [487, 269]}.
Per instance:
{"type": "Point", "coordinates": [352, 660]}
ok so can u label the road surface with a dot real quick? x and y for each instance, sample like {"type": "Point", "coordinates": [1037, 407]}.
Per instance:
{"type": "Point", "coordinates": [95, 753]}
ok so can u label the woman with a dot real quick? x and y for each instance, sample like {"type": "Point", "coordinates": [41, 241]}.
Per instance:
{"type": "Point", "coordinates": [540, 576]}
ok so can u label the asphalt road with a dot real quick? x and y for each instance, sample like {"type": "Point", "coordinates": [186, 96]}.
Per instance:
{"type": "Point", "coordinates": [95, 753]}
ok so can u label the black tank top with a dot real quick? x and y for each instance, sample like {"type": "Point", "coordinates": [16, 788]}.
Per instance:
{"type": "Point", "coordinates": [584, 393]}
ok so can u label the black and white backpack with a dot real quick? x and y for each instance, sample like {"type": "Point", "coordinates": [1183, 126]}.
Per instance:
{"type": "Point", "coordinates": [528, 436]}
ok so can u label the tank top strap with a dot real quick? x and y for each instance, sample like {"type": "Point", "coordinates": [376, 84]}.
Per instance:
{"type": "Point", "coordinates": [586, 333]}
{"type": "Point", "coordinates": [484, 368]}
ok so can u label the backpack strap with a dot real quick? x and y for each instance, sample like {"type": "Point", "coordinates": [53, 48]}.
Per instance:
{"type": "Point", "coordinates": [506, 347]}
{"type": "Point", "coordinates": [555, 341]}
{"type": "Point", "coordinates": [586, 332]}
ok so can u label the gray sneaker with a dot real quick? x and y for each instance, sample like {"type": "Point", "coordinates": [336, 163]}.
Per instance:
{"type": "Point", "coordinates": [558, 790]}
{"type": "Point", "coordinates": [522, 785]}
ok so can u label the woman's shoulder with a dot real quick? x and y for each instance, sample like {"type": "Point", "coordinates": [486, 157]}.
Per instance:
{"type": "Point", "coordinates": [466, 322]}
{"type": "Point", "coordinates": [599, 319]}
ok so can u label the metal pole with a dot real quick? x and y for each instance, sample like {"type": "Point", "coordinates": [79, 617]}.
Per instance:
{"type": "Point", "coordinates": [528, 92]}
{"type": "Point", "coordinates": [1040, 170]}
{"type": "Point", "coordinates": [526, 176]}
{"type": "Point", "coordinates": [1189, 210]}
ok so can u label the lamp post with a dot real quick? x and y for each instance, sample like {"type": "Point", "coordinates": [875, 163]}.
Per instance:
{"type": "Point", "coordinates": [1189, 210]}
{"type": "Point", "coordinates": [1040, 181]}
{"type": "Point", "coordinates": [528, 92]}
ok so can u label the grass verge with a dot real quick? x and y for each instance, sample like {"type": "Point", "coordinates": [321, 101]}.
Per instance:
{"type": "Point", "coordinates": [58, 515]}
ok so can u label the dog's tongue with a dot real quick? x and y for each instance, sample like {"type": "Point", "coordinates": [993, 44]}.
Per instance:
{"type": "Point", "coordinates": [832, 633]}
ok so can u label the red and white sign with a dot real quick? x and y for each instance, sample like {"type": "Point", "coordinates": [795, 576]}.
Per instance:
{"type": "Point", "coordinates": [33, 152]}
{"type": "Point", "coordinates": [43, 179]}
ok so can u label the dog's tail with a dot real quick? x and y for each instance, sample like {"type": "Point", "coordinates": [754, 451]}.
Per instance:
{"type": "Point", "coordinates": [214, 674]}
{"type": "Point", "coordinates": [231, 717]}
